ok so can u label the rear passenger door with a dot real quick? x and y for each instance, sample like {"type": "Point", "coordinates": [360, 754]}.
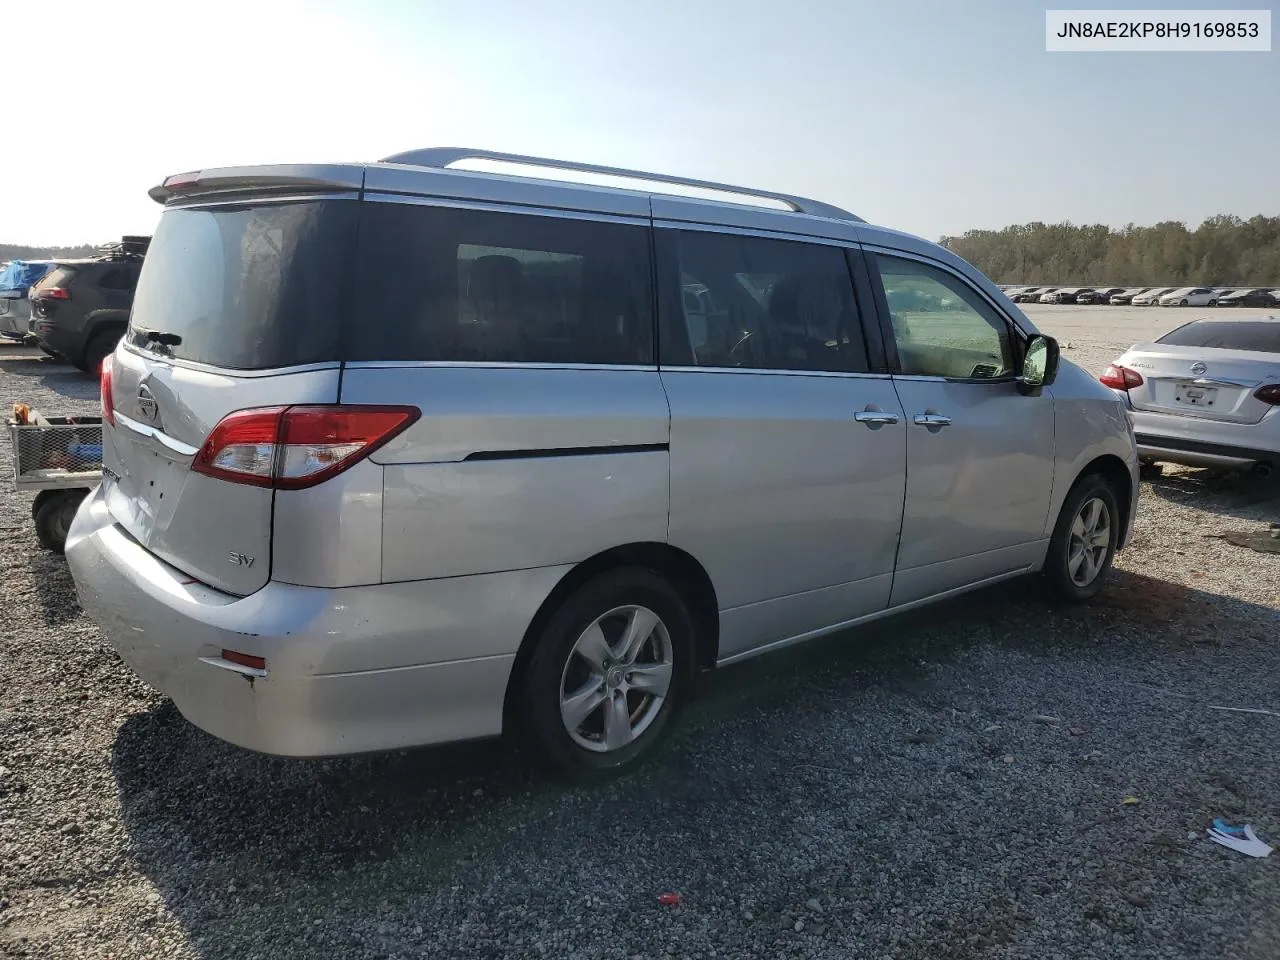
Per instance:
{"type": "Point", "coordinates": [979, 453]}
{"type": "Point", "coordinates": [787, 444]}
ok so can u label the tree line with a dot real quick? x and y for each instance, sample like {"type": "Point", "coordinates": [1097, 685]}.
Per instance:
{"type": "Point", "coordinates": [1224, 250]}
{"type": "Point", "coordinates": [16, 251]}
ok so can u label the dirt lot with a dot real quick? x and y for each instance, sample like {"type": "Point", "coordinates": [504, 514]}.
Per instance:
{"type": "Point", "coordinates": [951, 784]}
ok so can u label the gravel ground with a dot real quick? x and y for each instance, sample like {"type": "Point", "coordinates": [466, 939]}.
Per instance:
{"type": "Point", "coordinates": [949, 784]}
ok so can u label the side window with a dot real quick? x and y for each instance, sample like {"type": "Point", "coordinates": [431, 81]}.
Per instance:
{"type": "Point", "coordinates": [445, 284]}
{"type": "Point", "coordinates": [767, 304]}
{"type": "Point", "coordinates": [943, 328]}
{"type": "Point", "coordinates": [115, 278]}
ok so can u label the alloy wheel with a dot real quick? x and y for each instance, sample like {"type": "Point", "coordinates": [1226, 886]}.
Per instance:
{"type": "Point", "coordinates": [616, 678]}
{"type": "Point", "coordinates": [1089, 543]}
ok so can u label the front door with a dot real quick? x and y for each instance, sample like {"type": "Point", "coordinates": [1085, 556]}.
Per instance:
{"type": "Point", "coordinates": [979, 453]}
{"type": "Point", "coordinates": [787, 452]}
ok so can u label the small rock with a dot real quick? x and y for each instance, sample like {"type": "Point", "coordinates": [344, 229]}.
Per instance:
{"type": "Point", "coordinates": [1077, 729]}
{"type": "Point", "coordinates": [477, 792]}
{"type": "Point", "coordinates": [785, 921]}
{"type": "Point", "coordinates": [992, 728]}
{"type": "Point", "coordinates": [924, 736]}
{"type": "Point", "coordinates": [799, 926]}
{"type": "Point", "coordinates": [1045, 719]}
{"type": "Point", "coordinates": [1007, 758]}
{"type": "Point", "coordinates": [748, 916]}
{"type": "Point", "coordinates": [71, 829]}
{"type": "Point", "coordinates": [813, 905]}
{"type": "Point", "coordinates": [1093, 756]}
{"type": "Point", "coordinates": [818, 929]}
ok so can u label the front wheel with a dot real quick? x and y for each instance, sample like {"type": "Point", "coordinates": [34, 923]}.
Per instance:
{"type": "Point", "coordinates": [1183, 303]}
{"type": "Point", "coordinates": [1213, 303]}
{"type": "Point", "coordinates": [1084, 541]}
{"type": "Point", "coordinates": [608, 674]}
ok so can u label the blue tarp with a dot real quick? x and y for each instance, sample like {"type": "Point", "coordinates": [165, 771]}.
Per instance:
{"type": "Point", "coordinates": [19, 275]}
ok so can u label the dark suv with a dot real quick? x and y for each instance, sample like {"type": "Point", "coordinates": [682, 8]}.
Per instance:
{"type": "Point", "coordinates": [80, 309]}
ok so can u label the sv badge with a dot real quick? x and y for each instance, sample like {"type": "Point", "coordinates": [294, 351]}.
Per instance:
{"type": "Point", "coordinates": [240, 559]}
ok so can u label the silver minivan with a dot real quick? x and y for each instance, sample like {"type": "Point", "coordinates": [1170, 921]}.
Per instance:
{"type": "Point", "coordinates": [402, 453]}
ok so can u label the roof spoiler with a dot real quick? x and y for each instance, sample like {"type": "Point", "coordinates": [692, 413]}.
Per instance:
{"type": "Point", "coordinates": [284, 178]}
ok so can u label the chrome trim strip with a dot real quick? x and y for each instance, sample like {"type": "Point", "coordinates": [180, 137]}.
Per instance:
{"type": "Point", "coordinates": [239, 668]}
{"type": "Point", "coordinates": [778, 373]}
{"type": "Point", "coordinates": [498, 365]}
{"type": "Point", "coordinates": [177, 446]}
{"type": "Point", "coordinates": [229, 371]}
{"type": "Point", "coordinates": [867, 618]}
{"type": "Point", "coordinates": [426, 200]}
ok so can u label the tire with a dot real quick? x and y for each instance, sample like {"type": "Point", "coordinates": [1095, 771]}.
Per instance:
{"type": "Point", "coordinates": [50, 353]}
{"type": "Point", "coordinates": [1183, 304]}
{"type": "Point", "coordinates": [1063, 574]}
{"type": "Point", "coordinates": [98, 349]}
{"type": "Point", "coordinates": [1213, 303]}
{"type": "Point", "coordinates": [53, 512]}
{"type": "Point", "coordinates": [558, 668]}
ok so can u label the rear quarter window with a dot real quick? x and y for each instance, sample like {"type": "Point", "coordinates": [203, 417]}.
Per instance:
{"type": "Point", "coordinates": [446, 284]}
{"type": "Point", "coordinates": [1262, 336]}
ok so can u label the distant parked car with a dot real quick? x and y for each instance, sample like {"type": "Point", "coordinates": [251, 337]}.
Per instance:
{"type": "Point", "coordinates": [1190, 297]}
{"type": "Point", "coordinates": [1246, 297]}
{"type": "Point", "coordinates": [1065, 294]}
{"type": "Point", "coordinates": [1098, 295]}
{"type": "Point", "coordinates": [1125, 297]}
{"type": "Point", "coordinates": [1029, 294]}
{"type": "Point", "coordinates": [1205, 394]}
{"type": "Point", "coordinates": [81, 308]}
{"type": "Point", "coordinates": [16, 280]}
{"type": "Point", "coordinates": [1152, 297]}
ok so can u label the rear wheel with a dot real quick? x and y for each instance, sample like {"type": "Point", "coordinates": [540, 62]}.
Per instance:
{"type": "Point", "coordinates": [53, 512]}
{"type": "Point", "coordinates": [1084, 541]}
{"type": "Point", "coordinates": [99, 347]}
{"type": "Point", "coordinates": [608, 674]}
{"type": "Point", "coordinates": [1184, 303]}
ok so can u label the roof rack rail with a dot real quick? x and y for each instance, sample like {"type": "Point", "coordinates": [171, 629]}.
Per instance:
{"type": "Point", "coordinates": [127, 247]}
{"type": "Point", "coordinates": [442, 157]}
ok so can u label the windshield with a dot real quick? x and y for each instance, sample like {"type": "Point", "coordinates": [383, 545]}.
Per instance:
{"type": "Point", "coordinates": [1257, 335]}
{"type": "Point", "coordinates": [246, 286]}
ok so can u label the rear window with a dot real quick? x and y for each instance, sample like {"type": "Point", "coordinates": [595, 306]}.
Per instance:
{"type": "Point", "coordinates": [445, 284]}
{"type": "Point", "coordinates": [246, 287]}
{"type": "Point", "coordinates": [1259, 335]}
{"type": "Point", "coordinates": [57, 277]}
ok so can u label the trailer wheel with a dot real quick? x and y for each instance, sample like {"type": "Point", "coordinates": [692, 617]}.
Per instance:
{"type": "Point", "coordinates": [53, 512]}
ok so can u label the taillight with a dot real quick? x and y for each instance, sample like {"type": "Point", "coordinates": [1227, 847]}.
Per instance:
{"type": "Point", "coordinates": [290, 448]}
{"type": "Point", "coordinates": [1120, 378]}
{"type": "Point", "coordinates": [104, 383]}
{"type": "Point", "coordinates": [53, 293]}
{"type": "Point", "coordinates": [1269, 394]}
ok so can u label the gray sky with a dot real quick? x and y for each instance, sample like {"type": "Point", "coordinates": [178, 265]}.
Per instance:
{"type": "Point", "coordinates": [926, 115]}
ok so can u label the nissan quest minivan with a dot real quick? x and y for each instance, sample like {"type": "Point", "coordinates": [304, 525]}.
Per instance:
{"type": "Point", "coordinates": [401, 453]}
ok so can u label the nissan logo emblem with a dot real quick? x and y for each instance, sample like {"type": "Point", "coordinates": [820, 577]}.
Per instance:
{"type": "Point", "coordinates": [147, 402]}
{"type": "Point", "coordinates": [1199, 369]}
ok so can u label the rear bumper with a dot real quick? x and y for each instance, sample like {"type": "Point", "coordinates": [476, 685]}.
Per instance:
{"type": "Point", "coordinates": [348, 670]}
{"type": "Point", "coordinates": [1198, 442]}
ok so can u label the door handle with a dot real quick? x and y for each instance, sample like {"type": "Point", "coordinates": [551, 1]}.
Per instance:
{"type": "Point", "coordinates": [875, 418]}
{"type": "Point", "coordinates": [932, 420]}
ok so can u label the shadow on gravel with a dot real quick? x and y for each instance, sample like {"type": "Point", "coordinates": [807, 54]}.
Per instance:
{"type": "Point", "coordinates": [54, 587]}
{"type": "Point", "coordinates": [1231, 494]}
{"type": "Point", "coordinates": [225, 833]}
{"type": "Point", "coordinates": [55, 375]}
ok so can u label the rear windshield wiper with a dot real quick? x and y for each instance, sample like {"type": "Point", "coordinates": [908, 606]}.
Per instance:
{"type": "Point", "coordinates": [163, 338]}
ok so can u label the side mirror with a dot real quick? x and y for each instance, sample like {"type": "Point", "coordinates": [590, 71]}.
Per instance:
{"type": "Point", "coordinates": [1039, 365]}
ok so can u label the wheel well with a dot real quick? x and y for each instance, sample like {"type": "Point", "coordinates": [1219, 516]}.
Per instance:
{"type": "Point", "coordinates": [1114, 470]}
{"type": "Point", "coordinates": [683, 572]}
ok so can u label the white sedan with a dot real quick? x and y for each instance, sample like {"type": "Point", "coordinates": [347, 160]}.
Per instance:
{"type": "Point", "coordinates": [1190, 297]}
{"type": "Point", "coordinates": [1205, 394]}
